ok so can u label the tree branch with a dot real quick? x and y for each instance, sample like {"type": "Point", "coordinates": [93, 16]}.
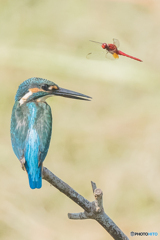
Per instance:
{"type": "Point", "coordinates": [92, 210]}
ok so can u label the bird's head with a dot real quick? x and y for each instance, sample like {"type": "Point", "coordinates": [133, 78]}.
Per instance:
{"type": "Point", "coordinates": [38, 89]}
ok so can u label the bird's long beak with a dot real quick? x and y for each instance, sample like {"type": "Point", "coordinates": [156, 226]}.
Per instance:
{"type": "Point", "coordinates": [71, 94]}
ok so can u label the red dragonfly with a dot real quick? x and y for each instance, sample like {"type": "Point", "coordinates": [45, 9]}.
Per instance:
{"type": "Point", "coordinates": [113, 50]}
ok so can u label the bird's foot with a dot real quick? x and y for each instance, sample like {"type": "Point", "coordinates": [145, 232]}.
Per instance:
{"type": "Point", "coordinates": [22, 161]}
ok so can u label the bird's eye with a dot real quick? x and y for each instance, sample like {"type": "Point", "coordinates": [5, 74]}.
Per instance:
{"type": "Point", "coordinates": [45, 87]}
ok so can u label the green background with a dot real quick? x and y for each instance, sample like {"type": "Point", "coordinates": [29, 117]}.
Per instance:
{"type": "Point", "coordinates": [114, 140]}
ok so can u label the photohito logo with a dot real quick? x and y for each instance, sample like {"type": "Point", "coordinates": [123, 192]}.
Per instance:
{"type": "Point", "coordinates": [143, 234]}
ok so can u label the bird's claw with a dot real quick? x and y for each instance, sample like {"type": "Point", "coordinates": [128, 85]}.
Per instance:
{"type": "Point", "coordinates": [22, 161]}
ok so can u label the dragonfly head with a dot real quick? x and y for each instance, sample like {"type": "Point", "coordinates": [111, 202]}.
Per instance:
{"type": "Point", "coordinates": [104, 45]}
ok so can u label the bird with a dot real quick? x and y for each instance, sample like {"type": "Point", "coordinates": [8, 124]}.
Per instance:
{"type": "Point", "coordinates": [31, 124]}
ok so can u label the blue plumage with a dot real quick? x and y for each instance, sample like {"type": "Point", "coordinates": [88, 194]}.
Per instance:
{"type": "Point", "coordinates": [31, 153]}
{"type": "Point", "coordinates": [31, 124]}
{"type": "Point", "coordinates": [31, 128]}
{"type": "Point", "coordinates": [31, 156]}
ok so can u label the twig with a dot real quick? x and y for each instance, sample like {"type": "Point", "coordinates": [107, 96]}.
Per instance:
{"type": "Point", "coordinates": [92, 210]}
{"type": "Point", "coordinates": [93, 186]}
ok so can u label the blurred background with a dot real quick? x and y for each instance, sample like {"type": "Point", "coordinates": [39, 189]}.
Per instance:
{"type": "Point", "coordinates": [114, 140]}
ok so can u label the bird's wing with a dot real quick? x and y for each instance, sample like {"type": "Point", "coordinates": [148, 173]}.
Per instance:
{"type": "Point", "coordinates": [22, 123]}
{"type": "Point", "coordinates": [43, 127]}
{"type": "Point", "coordinates": [19, 128]}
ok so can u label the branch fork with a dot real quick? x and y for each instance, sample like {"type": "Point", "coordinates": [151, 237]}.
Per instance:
{"type": "Point", "coordinates": [96, 206]}
{"type": "Point", "coordinates": [92, 210]}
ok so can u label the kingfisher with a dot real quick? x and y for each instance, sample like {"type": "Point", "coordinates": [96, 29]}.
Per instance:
{"type": "Point", "coordinates": [31, 124]}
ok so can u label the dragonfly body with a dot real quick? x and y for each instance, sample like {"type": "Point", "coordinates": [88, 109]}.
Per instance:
{"type": "Point", "coordinates": [126, 55]}
{"type": "Point", "coordinates": [113, 49]}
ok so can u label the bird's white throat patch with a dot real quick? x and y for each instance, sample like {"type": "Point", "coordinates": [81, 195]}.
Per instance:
{"type": "Point", "coordinates": [28, 94]}
{"type": "Point", "coordinates": [25, 97]}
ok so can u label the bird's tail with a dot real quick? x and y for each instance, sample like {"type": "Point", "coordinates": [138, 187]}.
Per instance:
{"type": "Point", "coordinates": [36, 180]}
{"type": "Point", "coordinates": [32, 164]}
{"type": "Point", "coordinates": [34, 174]}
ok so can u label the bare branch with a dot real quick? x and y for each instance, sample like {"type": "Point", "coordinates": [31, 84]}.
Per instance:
{"type": "Point", "coordinates": [98, 194]}
{"type": "Point", "coordinates": [92, 210]}
{"type": "Point", "coordinates": [78, 216]}
{"type": "Point", "coordinates": [93, 186]}
{"type": "Point", "coordinates": [66, 189]}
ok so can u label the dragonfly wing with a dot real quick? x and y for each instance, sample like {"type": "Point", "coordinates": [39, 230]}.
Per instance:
{"type": "Point", "coordinates": [95, 42]}
{"type": "Point", "coordinates": [111, 56]}
{"type": "Point", "coordinates": [116, 42]}
{"type": "Point", "coordinates": [99, 55]}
